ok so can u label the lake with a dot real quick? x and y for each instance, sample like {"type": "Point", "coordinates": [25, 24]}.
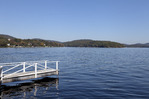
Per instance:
{"type": "Point", "coordinates": [89, 73]}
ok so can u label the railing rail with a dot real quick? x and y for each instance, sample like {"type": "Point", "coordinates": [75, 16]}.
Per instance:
{"type": "Point", "coordinates": [23, 66]}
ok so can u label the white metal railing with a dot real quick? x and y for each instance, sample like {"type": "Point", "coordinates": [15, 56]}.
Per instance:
{"type": "Point", "coordinates": [17, 67]}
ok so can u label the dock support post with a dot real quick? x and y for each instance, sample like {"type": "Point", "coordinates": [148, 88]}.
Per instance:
{"type": "Point", "coordinates": [35, 70]}
{"type": "Point", "coordinates": [23, 66]}
{"type": "Point", "coordinates": [45, 65]}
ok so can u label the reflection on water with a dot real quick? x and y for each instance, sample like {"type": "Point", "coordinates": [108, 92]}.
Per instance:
{"type": "Point", "coordinates": [30, 89]}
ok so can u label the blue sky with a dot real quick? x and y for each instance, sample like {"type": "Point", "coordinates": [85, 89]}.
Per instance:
{"type": "Point", "coordinates": [124, 21]}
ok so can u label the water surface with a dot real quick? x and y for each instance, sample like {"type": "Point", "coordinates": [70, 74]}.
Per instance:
{"type": "Point", "coordinates": [109, 73]}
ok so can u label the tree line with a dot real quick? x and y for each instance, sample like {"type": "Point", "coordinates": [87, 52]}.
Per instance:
{"type": "Point", "coordinates": [28, 43]}
{"type": "Point", "coordinates": [93, 43]}
{"type": "Point", "coordinates": [9, 41]}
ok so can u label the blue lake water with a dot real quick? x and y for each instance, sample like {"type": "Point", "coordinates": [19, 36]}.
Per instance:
{"type": "Point", "coordinates": [106, 73]}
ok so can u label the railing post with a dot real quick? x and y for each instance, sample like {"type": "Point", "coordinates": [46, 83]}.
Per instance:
{"type": "Point", "coordinates": [56, 65]}
{"type": "Point", "coordinates": [35, 70]}
{"type": "Point", "coordinates": [45, 65]}
{"type": "Point", "coordinates": [23, 66]}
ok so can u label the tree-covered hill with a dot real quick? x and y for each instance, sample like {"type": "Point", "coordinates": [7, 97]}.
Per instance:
{"type": "Point", "coordinates": [6, 36]}
{"type": "Point", "coordinates": [93, 43]}
{"type": "Point", "coordinates": [9, 41]}
{"type": "Point", "coordinates": [139, 45]}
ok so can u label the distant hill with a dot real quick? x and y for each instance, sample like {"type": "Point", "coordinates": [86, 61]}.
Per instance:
{"type": "Point", "coordinates": [6, 36]}
{"type": "Point", "coordinates": [9, 41]}
{"type": "Point", "coordinates": [93, 43]}
{"type": "Point", "coordinates": [146, 45]}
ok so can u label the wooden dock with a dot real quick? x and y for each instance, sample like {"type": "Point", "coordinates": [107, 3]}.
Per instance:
{"type": "Point", "coordinates": [29, 70]}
